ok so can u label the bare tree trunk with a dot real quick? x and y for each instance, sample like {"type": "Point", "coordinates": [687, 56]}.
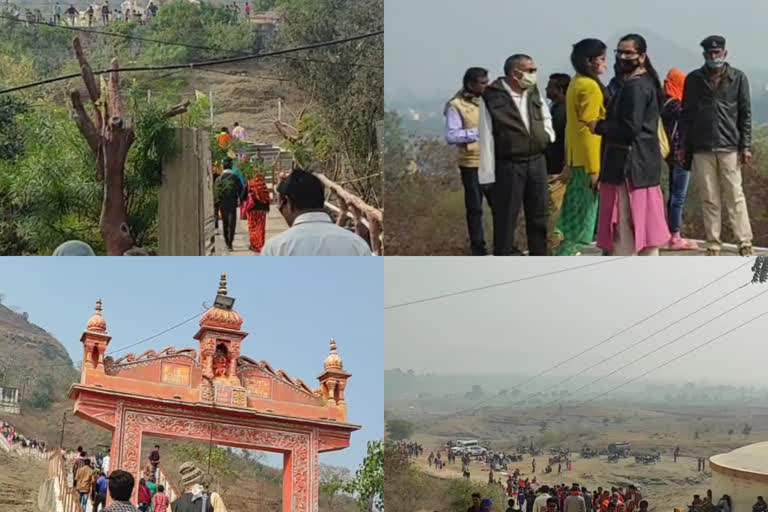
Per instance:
{"type": "Point", "coordinates": [110, 138]}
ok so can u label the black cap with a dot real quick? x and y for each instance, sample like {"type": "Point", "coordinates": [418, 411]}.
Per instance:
{"type": "Point", "coordinates": [713, 43]}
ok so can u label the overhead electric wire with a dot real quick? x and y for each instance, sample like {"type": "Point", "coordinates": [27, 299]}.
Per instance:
{"type": "Point", "coordinates": [192, 65]}
{"type": "Point", "coordinates": [688, 352]}
{"type": "Point", "coordinates": [165, 42]}
{"type": "Point", "coordinates": [604, 341]}
{"type": "Point", "coordinates": [504, 283]}
{"type": "Point", "coordinates": [144, 340]}
{"type": "Point", "coordinates": [664, 345]}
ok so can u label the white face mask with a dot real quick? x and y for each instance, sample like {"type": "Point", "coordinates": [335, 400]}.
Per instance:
{"type": "Point", "coordinates": [528, 80]}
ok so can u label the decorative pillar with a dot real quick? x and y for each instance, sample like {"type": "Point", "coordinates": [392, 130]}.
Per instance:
{"type": "Point", "coordinates": [95, 341]}
{"type": "Point", "coordinates": [333, 380]}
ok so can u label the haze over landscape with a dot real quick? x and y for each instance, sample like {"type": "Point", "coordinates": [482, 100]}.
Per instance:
{"type": "Point", "coordinates": [430, 43]}
{"type": "Point", "coordinates": [520, 329]}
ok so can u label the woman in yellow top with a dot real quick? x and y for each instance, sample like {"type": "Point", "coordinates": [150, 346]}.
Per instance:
{"type": "Point", "coordinates": [585, 102]}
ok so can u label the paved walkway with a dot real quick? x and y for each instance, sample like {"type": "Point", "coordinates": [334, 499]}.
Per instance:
{"type": "Point", "coordinates": [275, 225]}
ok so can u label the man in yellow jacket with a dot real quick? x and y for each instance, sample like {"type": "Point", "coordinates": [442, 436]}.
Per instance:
{"type": "Point", "coordinates": [462, 115]}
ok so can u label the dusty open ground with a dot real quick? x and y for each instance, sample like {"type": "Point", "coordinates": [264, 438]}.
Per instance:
{"type": "Point", "coordinates": [699, 431]}
{"type": "Point", "coordinates": [20, 478]}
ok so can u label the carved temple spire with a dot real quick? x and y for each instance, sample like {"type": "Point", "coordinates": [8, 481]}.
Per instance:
{"type": "Point", "coordinates": [97, 323]}
{"type": "Point", "coordinates": [333, 360]}
{"type": "Point", "coordinates": [223, 284]}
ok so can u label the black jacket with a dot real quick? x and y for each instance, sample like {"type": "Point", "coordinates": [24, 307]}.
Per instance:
{"type": "Point", "coordinates": [630, 135]}
{"type": "Point", "coordinates": [185, 504]}
{"type": "Point", "coordinates": [717, 118]}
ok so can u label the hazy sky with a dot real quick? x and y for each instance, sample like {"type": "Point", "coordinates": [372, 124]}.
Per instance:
{"type": "Point", "coordinates": [291, 307]}
{"type": "Point", "coordinates": [430, 43]}
{"type": "Point", "coordinates": [526, 327]}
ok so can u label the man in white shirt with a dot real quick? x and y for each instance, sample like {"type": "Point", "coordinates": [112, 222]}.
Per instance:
{"type": "Point", "coordinates": [514, 131]}
{"type": "Point", "coordinates": [312, 232]}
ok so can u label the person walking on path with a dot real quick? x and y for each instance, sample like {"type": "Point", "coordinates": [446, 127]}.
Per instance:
{"type": "Point", "coordinates": [83, 483]}
{"type": "Point", "coordinates": [145, 496]}
{"type": "Point", "coordinates": [585, 102]}
{"type": "Point", "coordinates": [257, 209]}
{"type": "Point", "coordinates": [514, 131]}
{"type": "Point", "coordinates": [717, 125]}
{"type": "Point", "coordinates": [154, 459]}
{"type": "Point", "coordinates": [229, 189]}
{"type": "Point", "coordinates": [100, 492]}
{"type": "Point", "coordinates": [160, 502]}
{"type": "Point", "coordinates": [462, 116]}
{"type": "Point", "coordinates": [631, 218]}
{"type": "Point", "coordinates": [120, 489]}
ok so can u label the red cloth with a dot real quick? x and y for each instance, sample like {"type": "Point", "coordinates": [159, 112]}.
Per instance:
{"type": "Point", "coordinates": [145, 496]}
{"type": "Point", "coordinates": [257, 219]}
{"type": "Point", "coordinates": [674, 84]}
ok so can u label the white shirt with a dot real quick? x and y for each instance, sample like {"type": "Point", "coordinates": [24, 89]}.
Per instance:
{"type": "Point", "coordinates": [105, 465]}
{"type": "Point", "coordinates": [314, 234]}
{"type": "Point", "coordinates": [487, 170]}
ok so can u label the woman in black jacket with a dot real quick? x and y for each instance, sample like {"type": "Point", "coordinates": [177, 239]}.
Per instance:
{"type": "Point", "coordinates": [631, 219]}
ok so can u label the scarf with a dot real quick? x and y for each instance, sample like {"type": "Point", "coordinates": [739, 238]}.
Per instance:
{"type": "Point", "coordinates": [674, 84]}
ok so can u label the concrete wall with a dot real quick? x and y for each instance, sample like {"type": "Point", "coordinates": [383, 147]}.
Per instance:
{"type": "Point", "coordinates": [47, 497]}
{"type": "Point", "coordinates": [742, 489]}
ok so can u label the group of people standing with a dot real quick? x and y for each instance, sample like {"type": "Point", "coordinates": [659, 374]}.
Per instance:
{"type": "Point", "coordinates": [588, 166]}
{"type": "Point", "coordinates": [127, 13]}
{"type": "Point", "coordinates": [562, 498]}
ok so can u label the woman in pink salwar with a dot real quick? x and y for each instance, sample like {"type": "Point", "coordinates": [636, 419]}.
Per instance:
{"type": "Point", "coordinates": [631, 219]}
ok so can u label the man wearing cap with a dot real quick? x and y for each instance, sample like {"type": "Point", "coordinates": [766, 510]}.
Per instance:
{"type": "Point", "coordinates": [194, 499]}
{"type": "Point", "coordinates": [717, 133]}
{"type": "Point", "coordinates": [312, 232]}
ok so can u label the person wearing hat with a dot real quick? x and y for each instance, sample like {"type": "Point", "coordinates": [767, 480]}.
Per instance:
{"type": "Point", "coordinates": [716, 128]}
{"type": "Point", "coordinates": [194, 499]}
{"type": "Point", "coordinates": [486, 505]}
{"type": "Point", "coordinates": [312, 232]}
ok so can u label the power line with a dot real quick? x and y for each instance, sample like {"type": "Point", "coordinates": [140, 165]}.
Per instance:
{"type": "Point", "coordinates": [609, 338]}
{"type": "Point", "coordinates": [496, 285]}
{"type": "Point", "coordinates": [662, 346]}
{"type": "Point", "coordinates": [694, 349]}
{"type": "Point", "coordinates": [192, 65]}
{"type": "Point", "coordinates": [196, 315]}
{"type": "Point", "coordinates": [164, 42]}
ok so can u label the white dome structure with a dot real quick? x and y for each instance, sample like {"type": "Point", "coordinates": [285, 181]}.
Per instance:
{"type": "Point", "coordinates": [741, 474]}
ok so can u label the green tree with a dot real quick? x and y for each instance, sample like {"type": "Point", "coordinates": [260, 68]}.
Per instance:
{"type": "Point", "coordinates": [368, 482]}
{"type": "Point", "coordinates": [333, 481]}
{"type": "Point", "coordinates": [346, 90]}
{"type": "Point", "coordinates": [399, 429]}
{"type": "Point", "coordinates": [42, 397]}
{"type": "Point", "coordinates": [458, 496]}
{"type": "Point", "coordinates": [403, 483]}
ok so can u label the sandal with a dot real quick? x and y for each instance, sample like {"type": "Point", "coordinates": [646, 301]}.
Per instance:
{"type": "Point", "coordinates": [678, 243]}
{"type": "Point", "coordinates": [713, 252]}
{"type": "Point", "coordinates": [745, 250]}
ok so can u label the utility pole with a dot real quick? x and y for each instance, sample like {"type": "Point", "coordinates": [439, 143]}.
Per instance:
{"type": "Point", "coordinates": [61, 432]}
{"type": "Point", "coordinates": [279, 109]}
{"type": "Point", "coordinates": [210, 98]}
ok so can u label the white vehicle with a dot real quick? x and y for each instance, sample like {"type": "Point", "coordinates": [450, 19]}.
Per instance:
{"type": "Point", "coordinates": [476, 451]}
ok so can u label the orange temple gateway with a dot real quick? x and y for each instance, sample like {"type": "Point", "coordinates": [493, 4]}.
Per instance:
{"type": "Point", "coordinates": [214, 394]}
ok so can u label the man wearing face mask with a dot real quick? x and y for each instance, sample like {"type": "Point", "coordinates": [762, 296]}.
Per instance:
{"type": "Point", "coordinates": [462, 116]}
{"type": "Point", "coordinates": [717, 121]}
{"type": "Point", "coordinates": [514, 131]}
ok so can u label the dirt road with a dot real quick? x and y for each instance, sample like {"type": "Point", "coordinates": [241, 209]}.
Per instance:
{"type": "Point", "coordinates": [20, 478]}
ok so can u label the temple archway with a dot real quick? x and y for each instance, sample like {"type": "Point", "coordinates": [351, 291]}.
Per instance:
{"type": "Point", "coordinates": [214, 395]}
